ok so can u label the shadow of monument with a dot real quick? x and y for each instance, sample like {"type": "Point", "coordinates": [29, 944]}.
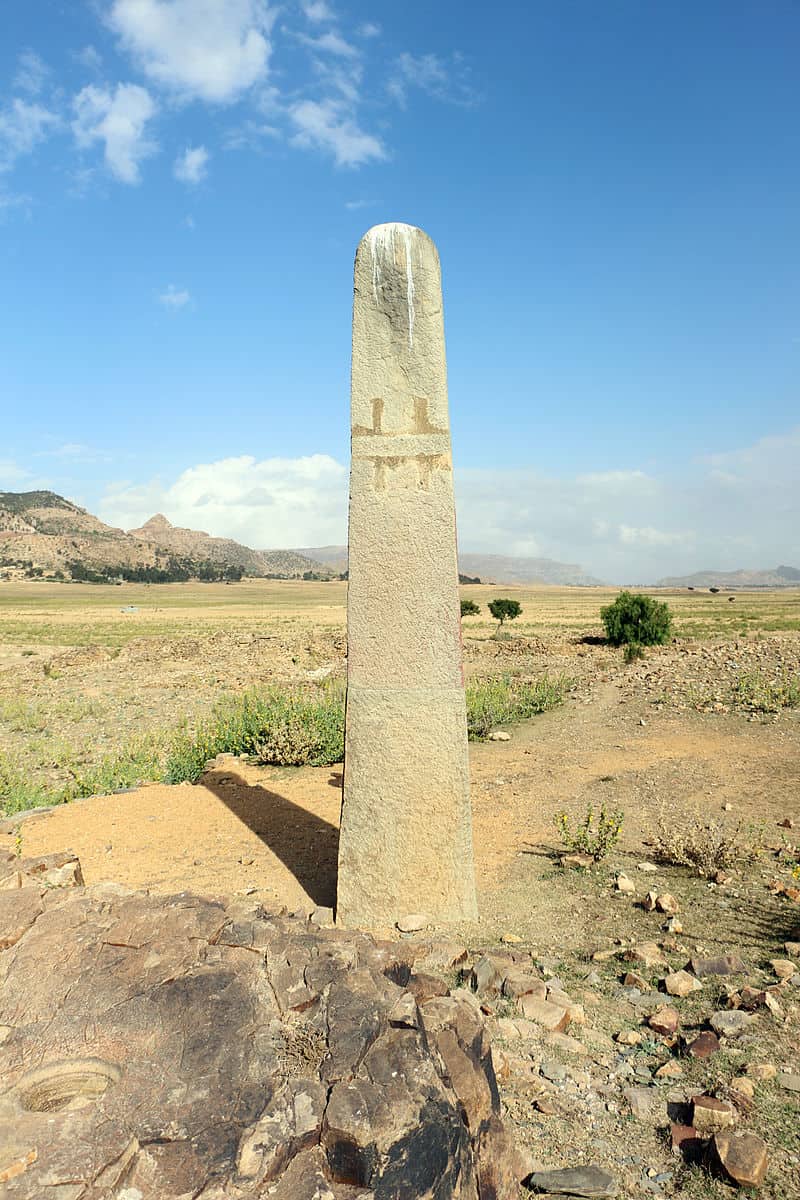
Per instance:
{"type": "Point", "coordinates": [307, 845]}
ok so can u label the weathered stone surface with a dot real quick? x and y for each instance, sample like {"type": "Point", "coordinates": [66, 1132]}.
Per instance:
{"type": "Point", "coordinates": [665, 1020]}
{"type": "Point", "coordinates": [732, 1023]}
{"type": "Point", "coordinates": [406, 829]}
{"type": "Point", "coordinates": [710, 1115]}
{"type": "Point", "coordinates": [681, 983]}
{"type": "Point", "coordinates": [725, 964]}
{"type": "Point", "coordinates": [646, 1104]}
{"type": "Point", "coordinates": [550, 1016]}
{"type": "Point", "coordinates": [519, 982]}
{"type": "Point", "coordinates": [646, 953]}
{"type": "Point", "coordinates": [704, 1045]}
{"type": "Point", "coordinates": [743, 1157]}
{"type": "Point", "coordinates": [588, 1181]}
{"type": "Point", "coordinates": [187, 1046]}
{"type": "Point", "coordinates": [783, 968]}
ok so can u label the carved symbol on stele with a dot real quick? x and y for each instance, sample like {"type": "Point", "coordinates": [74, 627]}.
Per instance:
{"type": "Point", "coordinates": [419, 421]}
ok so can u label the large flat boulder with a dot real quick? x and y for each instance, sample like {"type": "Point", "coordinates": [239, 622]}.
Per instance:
{"type": "Point", "coordinates": [166, 1047]}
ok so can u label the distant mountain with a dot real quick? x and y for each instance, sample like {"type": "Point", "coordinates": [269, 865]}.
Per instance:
{"type": "Point", "coordinates": [491, 568]}
{"type": "Point", "coordinates": [193, 543]}
{"type": "Point", "coordinates": [780, 577]}
{"type": "Point", "coordinates": [43, 534]}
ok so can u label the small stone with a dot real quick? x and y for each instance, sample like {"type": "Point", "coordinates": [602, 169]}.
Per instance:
{"type": "Point", "coordinates": [510, 939]}
{"type": "Point", "coordinates": [704, 1045]}
{"type": "Point", "coordinates": [650, 901]}
{"type": "Point", "coordinates": [486, 977]}
{"type": "Point", "coordinates": [743, 1086]}
{"type": "Point", "coordinates": [518, 983]}
{"type": "Point", "coordinates": [565, 1043]}
{"type": "Point", "coordinates": [790, 1082]}
{"type": "Point", "coordinates": [761, 1071]}
{"type": "Point", "coordinates": [710, 1115]}
{"type": "Point", "coordinates": [743, 1157]}
{"type": "Point", "coordinates": [553, 1070]}
{"type": "Point", "coordinates": [646, 953]}
{"type": "Point", "coordinates": [578, 861]}
{"type": "Point", "coordinates": [628, 1037]}
{"type": "Point", "coordinates": [591, 1182]}
{"type": "Point", "coordinates": [635, 980]}
{"type": "Point", "coordinates": [551, 1016]}
{"type": "Point", "coordinates": [792, 948]}
{"type": "Point", "coordinates": [625, 885]}
{"type": "Point", "coordinates": [412, 923]}
{"type": "Point", "coordinates": [604, 955]}
{"type": "Point", "coordinates": [684, 1140]}
{"type": "Point", "coordinates": [728, 964]}
{"type": "Point", "coordinates": [647, 866]}
{"type": "Point", "coordinates": [782, 968]}
{"type": "Point", "coordinates": [730, 1024]}
{"type": "Point", "coordinates": [681, 983]}
{"type": "Point", "coordinates": [673, 925]}
{"type": "Point", "coordinates": [665, 1020]}
{"type": "Point", "coordinates": [545, 1106]}
{"type": "Point", "coordinates": [670, 1070]}
{"type": "Point", "coordinates": [499, 735]}
{"type": "Point", "coordinates": [666, 903]}
{"type": "Point", "coordinates": [786, 823]}
{"type": "Point", "coordinates": [727, 806]}
{"type": "Point", "coordinates": [646, 1104]}
{"type": "Point", "coordinates": [773, 1006]}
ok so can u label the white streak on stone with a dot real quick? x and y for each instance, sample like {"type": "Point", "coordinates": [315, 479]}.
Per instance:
{"type": "Point", "coordinates": [382, 246]}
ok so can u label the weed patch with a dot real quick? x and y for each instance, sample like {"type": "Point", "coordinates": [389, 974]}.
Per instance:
{"type": "Point", "coordinates": [506, 699]}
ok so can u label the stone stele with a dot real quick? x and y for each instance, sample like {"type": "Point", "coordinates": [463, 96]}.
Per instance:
{"type": "Point", "coordinates": [406, 830]}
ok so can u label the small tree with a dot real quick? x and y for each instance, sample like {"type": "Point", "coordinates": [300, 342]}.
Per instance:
{"type": "Point", "coordinates": [636, 620]}
{"type": "Point", "coordinates": [505, 610]}
{"type": "Point", "coordinates": [469, 608]}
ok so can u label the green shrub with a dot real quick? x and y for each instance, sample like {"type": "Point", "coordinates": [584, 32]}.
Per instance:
{"type": "Point", "coordinates": [634, 619]}
{"type": "Point", "coordinates": [505, 699]}
{"type": "Point", "coordinates": [633, 651]}
{"type": "Point", "coordinates": [590, 836]}
{"type": "Point", "coordinates": [469, 608]}
{"type": "Point", "coordinates": [505, 610]}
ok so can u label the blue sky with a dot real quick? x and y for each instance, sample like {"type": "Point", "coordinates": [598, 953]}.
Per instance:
{"type": "Point", "coordinates": [614, 188]}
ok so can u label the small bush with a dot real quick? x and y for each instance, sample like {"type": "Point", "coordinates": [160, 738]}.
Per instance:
{"type": "Point", "coordinates": [469, 608]}
{"type": "Point", "coordinates": [632, 652]}
{"type": "Point", "coordinates": [593, 837]}
{"type": "Point", "coordinates": [634, 619]}
{"type": "Point", "coordinates": [706, 846]}
{"type": "Point", "coordinates": [505, 610]}
{"type": "Point", "coordinates": [505, 699]}
{"type": "Point", "coordinates": [757, 692]}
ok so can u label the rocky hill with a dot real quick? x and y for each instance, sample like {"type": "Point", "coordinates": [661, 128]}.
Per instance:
{"type": "Point", "coordinates": [781, 577]}
{"type": "Point", "coordinates": [43, 534]}
{"type": "Point", "coordinates": [195, 544]}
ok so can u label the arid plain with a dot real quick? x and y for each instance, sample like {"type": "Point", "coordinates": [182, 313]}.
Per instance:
{"type": "Point", "coordinates": [705, 730]}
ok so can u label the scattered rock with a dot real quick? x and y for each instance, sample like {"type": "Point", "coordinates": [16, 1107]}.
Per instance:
{"type": "Point", "coordinates": [710, 1115]}
{"type": "Point", "coordinates": [628, 1037]}
{"type": "Point", "coordinates": [761, 1071]}
{"type": "Point", "coordinates": [499, 735]}
{"type": "Point", "coordinates": [486, 977]}
{"type": "Point", "coordinates": [650, 901]}
{"type": "Point", "coordinates": [666, 903]}
{"type": "Point", "coordinates": [550, 1016]}
{"type": "Point", "coordinates": [704, 1045]}
{"type": "Point", "coordinates": [782, 968]}
{"type": "Point", "coordinates": [792, 948]}
{"type": "Point", "coordinates": [519, 982]}
{"type": "Point", "coordinates": [646, 1104]}
{"type": "Point", "coordinates": [742, 1156]}
{"type": "Point", "coordinates": [511, 939]}
{"type": "Point", "coordinates": [665, 1020]}
{"type": "Point", "coordinates": [684, 1140]}
{"type": "Point", "coordinates": [646, 953]}
{"type": "Point", "coordinates": [565, 1043]}
{"type": "Point", "coordinates": [646, 866]}
{"type": "Point", "coordinates": [727, 964]}
{"type": "Point", "coordinates": [580, 861]}
{"type": "Point", "coordinates": [673, 925]}
{"type": "Point", "coordinates": [790, 1082]}
{"type": "Point", "coordinates": [625, 885]}
{"type": "Point", "coordinates": [681, 983]}
{"type": "Point", "coordinates": [591, 1181]}
{"type": "Point", "coordinates": [635, 980]}
{"type": "Point", "coordinates": [670, 1070]}
{"type": "Point", "coordinates": [742, 1086]}
{"type": "Point", "coordinates": [732, 1023]}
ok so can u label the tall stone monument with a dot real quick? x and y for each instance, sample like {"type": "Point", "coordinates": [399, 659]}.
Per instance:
{"type": "Point", "coordinates": [406, 831]}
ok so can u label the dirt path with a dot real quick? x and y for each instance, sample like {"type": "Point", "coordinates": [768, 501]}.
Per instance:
{"type": "Point", "coordinates": [273, 832]}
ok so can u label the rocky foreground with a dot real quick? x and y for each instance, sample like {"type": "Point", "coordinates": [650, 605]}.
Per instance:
{"type": "Point", "coordinates": [167, 1047]}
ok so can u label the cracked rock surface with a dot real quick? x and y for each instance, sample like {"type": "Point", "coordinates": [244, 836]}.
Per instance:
{"type": "Point", "coordinates": [177, 1047]}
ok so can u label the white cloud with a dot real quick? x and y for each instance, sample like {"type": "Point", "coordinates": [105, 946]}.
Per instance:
{"type": "Point", "coordinates": [118, 120]}
{"type": "Point", "coordinates": [269, 504]}
{"type": "Point", "coordinates": [630, 535]}
{"type": "Point", "coordinates": [317, 10]}
{"type": "Point", "coordinates": [445, 79]}
{"type": "Point", "coordinates": [330, 43]}
{"type": "Point", "coordinates": [211, 50]}
{"type": "Point", "coordinates": [174, 297]}
{"type": "Point", "coordinates": [90, 57]}
{"type": "Point", "coordinates": [12, 475]}
{"type": "Point", "coordinates": [191, 166]}
{"type": "Point", "coordinates": [22, 127]}
{"type": "Point", "coordinates": [369, 30]}
{"type": "Point", "coordinates": [31, 73]}
{"type": "Point", "coordinates": [329, 125]}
